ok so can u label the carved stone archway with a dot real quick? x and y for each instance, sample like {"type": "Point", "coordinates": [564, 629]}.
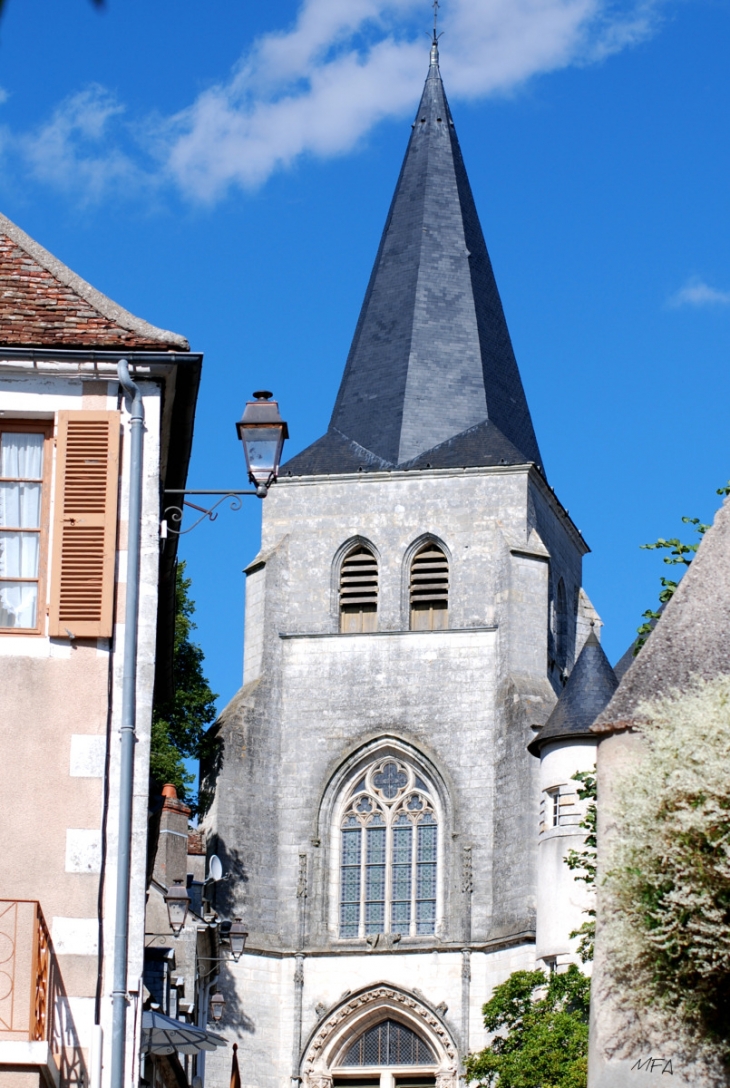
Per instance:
{"type": "Point", "coordinates": [358, 1011]}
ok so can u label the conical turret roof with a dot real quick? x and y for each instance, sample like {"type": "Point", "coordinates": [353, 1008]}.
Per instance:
{"type": "Point", "coordinates": [588, 691]}
{"type": "Point", "coordinates": [431, 379]}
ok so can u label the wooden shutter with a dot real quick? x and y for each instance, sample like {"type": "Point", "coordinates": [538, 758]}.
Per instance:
{"type": "Point", "coordinates": [359, 592]}
{"type": "Point", "coordinates": [84, 524]}
{"type": "Point", "coordinates": [429, 589]}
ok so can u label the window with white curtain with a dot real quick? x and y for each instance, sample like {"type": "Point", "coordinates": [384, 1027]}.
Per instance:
{"type": "Point", "coordinates": [21, 510]}
{"type": "Point", "coordinates": [388, 853]}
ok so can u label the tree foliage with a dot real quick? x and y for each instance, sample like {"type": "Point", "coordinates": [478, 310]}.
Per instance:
{"type": "Point", "coordinates": [541, 1032]}
{"type": "Point", "coordinates": [583, 862]}
{"type": "Point", "coordinates": [179, 725]}
{"type": "Point", "coordinates": [668, 878]}
{"type": "Point", "coordinates": [680, 554]}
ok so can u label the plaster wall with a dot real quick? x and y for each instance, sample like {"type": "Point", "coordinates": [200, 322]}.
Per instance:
{"type": "Point", "coordinates": [621, 1037]}
{"type": "Point", "coordinates": [60, 716]}
{"type": "Point", "coordinates": [563, 899]}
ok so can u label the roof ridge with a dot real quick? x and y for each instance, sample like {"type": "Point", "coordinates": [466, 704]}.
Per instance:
{"type": "Point", "coordinates": [100, 302]}
{"type": "Point", "coordinates": [689, 644]}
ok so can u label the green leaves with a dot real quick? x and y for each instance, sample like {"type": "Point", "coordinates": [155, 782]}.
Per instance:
{"type": "Point", "coordinates": [179, 725]}
{"type": "Point", "coordinates": [679, 554]}
{"type": "Point", "coordinates": [667, 886]}
{"type": "Point", "coordinates": [542, 1026]}
{"type": "Point", "coordinates": [585, 860]}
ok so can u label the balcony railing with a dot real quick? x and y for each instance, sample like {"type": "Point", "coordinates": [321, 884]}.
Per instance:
{"type": "Point", "coordinates": [34, 1008]}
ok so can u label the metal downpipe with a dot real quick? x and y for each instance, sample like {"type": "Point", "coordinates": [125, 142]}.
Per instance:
{"type": "Point", "coordinates": [120, 997]}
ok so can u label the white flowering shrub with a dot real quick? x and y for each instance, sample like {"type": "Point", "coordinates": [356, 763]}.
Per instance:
{"type": "Point", "coordinates": [668, 882]}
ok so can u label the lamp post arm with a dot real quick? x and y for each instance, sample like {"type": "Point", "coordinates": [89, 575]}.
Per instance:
{"type": "Point", "coordinates": [120, 997]}
{"type": "Point", "coordinates": [172, 515]}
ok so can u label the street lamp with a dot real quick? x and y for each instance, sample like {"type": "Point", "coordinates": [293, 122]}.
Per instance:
{"type": "Point", "coordinates": [237, 936]}
{"type": "Point", "coordinates": [262, 431]}
{"type": "Point", "coordinates": [177, 901]}
{"type": "Point", "coordinates": [217, 1005]}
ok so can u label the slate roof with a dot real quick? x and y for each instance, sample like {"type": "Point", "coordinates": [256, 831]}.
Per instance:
{"type": "Point", "coordinates": [587, 692]}
{"type": "Point", "coordinates": [690, 642]}
{"type": "Point", "coordinates": [431, 378]}
{"type": "Point", "coordinates": [44, 304]}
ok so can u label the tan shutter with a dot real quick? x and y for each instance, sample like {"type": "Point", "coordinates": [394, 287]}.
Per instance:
{"type": "Point", "coordinates": [85, 524]}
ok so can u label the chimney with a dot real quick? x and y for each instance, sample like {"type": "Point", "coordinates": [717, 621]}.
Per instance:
{"type": "Point", "coordinates": [171, 859]}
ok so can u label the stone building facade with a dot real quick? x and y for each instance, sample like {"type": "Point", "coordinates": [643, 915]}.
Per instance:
{"type": "Point", "coordinates": [412, 616]}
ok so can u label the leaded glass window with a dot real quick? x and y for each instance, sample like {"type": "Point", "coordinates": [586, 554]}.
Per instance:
{"type": "Point", "coordinates": [389, 1043]}
{"type": "Point", "coordinates": [388, 859]}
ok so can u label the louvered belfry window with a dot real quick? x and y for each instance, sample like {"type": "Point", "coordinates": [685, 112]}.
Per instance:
{"type": "Point", "coordinates": [359, 591]}
{"type": "Point", "coordinates": [429, 589]}
{"type": "Point", "coordinates": [84, 530]}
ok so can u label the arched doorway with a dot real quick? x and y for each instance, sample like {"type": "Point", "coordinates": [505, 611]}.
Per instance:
{"type": "Point", "coordinates": [381, 1037]}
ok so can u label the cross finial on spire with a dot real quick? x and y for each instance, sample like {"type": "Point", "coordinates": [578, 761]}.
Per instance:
{"type": "Point", "coordinates": [435, 40]}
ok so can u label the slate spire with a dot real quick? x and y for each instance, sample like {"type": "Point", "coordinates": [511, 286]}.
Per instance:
{"type": "Point", "coordinates": [431, 377]}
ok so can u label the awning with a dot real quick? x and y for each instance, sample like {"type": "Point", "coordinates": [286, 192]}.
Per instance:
{"type": "Point", "coordinates": [163, 1035]}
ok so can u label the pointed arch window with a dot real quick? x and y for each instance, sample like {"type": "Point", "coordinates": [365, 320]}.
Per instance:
{"type": "Point", "coordinates": [388, 858]}
{"type": "Point", "coordinates": [429, 589]}
{"type": "Point", "coordinates": [389, 1043]}
{"type": "Point", "coordinates": [358, 591]}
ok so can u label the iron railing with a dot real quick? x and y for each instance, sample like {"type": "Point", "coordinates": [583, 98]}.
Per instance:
{"type": "Point", "coordinates": [33, 1003]}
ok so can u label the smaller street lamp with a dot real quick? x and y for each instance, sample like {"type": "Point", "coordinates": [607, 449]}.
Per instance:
{"type": "Point", "coordinates": [177, 901]}
{"type": "Point", "coordinates": [217, 1005]}
{"type": "Point", "coordinates": [237, 936]}
{"type": "Point", "coordinates": [262, 431]}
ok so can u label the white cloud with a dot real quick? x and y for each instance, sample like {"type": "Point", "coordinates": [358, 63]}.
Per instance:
{"type": "Point", "coordinates": [698, 293]}
{"type": "Point", "coordinates": [78, 150]}
{"type": "Point", "coordinates": [320, 86]}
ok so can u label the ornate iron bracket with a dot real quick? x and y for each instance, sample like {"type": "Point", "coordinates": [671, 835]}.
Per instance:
{"type": "Point", "coordinates": [174, 514]}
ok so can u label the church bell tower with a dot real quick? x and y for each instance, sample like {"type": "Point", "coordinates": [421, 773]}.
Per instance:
{"type": "Point", "coordinates": [413, 613]}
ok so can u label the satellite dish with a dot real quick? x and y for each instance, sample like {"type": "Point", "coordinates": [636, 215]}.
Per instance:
{"type": "Point", "coordinates": [215, 869]}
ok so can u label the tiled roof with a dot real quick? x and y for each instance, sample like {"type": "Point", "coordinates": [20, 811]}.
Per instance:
{"type": "Point", "coordinates": [431, 377]}
{"type": "Point", "coordinates": [589, 688]}
{"type": "Point", "coordinates": [44, 304]}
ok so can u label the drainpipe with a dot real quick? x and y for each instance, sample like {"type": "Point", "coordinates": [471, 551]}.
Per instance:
{"type": "Point", "coordinates": [203, 997]}
{"type": "Point", "coordinates": [120, 998]}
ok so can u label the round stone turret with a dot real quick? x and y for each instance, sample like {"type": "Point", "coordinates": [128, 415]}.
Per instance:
{"type": "Point", "coordinates": [565, 747]}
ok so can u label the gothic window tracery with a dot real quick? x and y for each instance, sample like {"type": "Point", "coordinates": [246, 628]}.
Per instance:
{"type": "Point", "coordinates": [429, 589]}
{"type": "Point", "coordinates": [389, 1043]}
{"type": "Point", "coordinates": [388, 859]}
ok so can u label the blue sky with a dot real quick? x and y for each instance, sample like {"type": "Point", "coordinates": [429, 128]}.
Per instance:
{"type": "Point", "coordinates": [228, 175]}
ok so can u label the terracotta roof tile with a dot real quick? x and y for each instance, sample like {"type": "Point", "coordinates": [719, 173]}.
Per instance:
{"type": "Point", "coordinates": [44, 304]}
